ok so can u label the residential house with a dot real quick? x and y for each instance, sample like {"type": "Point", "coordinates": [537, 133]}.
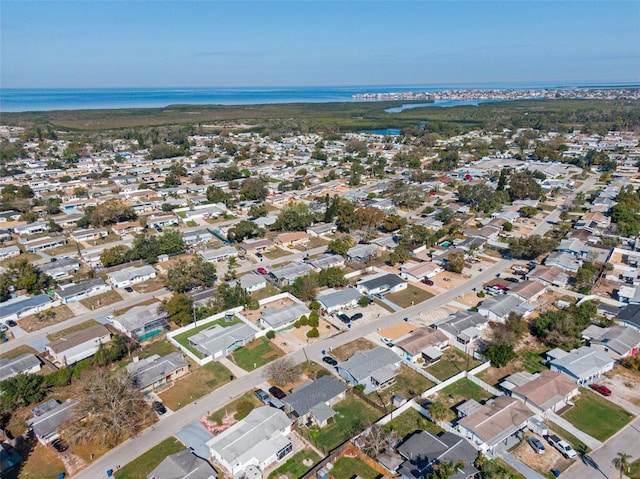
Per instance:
{"type": "Point", "coordinates": [311, 403]}
{"type": "Point", "coordinates": [218, 341]}
{"type": "Point", "coordinates": [26, 363]}
{"type": "Point", "coordinates": [252, 282]}
{"type": "Point", "coordinates": [584, 365]}
{"type": "Point", "coordinates": [200, 236]}
{"type": "Point", "coordinates": [220, 254]}
{"type": "Point", "coordinates": [142, 322]}
{"type": "Point", "coordinates": [280, 318]}
{"type": "Point", "coordinates": [424, 344]}
{"type": "Point", "coordinates": [30, 229]}
{"type": "Point", "coordinates": [258, 245]}
{"type": "Point", "coordinates": [423, 451]}
{"type": "Point", "coordinates": [543, 392]}
{"type": "Point", "coordinates": [617, 341]}
{"type": "Point", "coordinates": [47, 418]}
{"type": "Point", "coordinates": [90, 234]}
{"type": "Point", "coordinates": [79, 345]}
{"type": "Point", "coordinates": [333, 300]}
{"type": "Point", "coordinates": [61, 269]}
{"type": "Point", "coordinates": [381, 283]}
{"type": "Point", "coordinates": [487, 233]}
{"type": "Point", "coordinates": [131, 275]}
{"type": "Point", "coordinates": [361, 253]}
{"type": "Point", "coordinates": [464, 327]}
{"type": "Point", "coordinates": [11, 215]}
{"type": "Point", "coordinates": [130, 227]}
{"type": "Point", "coordinates": [528, 291]}
{"type": "Point", "coordinates": [258, 440]}
{"type": "Point", "coordinates": [498, 308]}
{"type": "Point", "coordinates": [494, 422]}
{"type": "Point", "coordinates": [183, 465]}
{"type": "Point", "coordinates": [156, 371]}
{"type": "Point", "coordinates": [374, 369]}
{"type": "Point", "coordinates": [321, 229]}
{"type": "Point", "coordinates": [162, 221]}
{"type": "Point", "coordinates": [549, 275]}
{"type": "Point", "coordinates": [9, 252]}
{"type": "Point", "coordinates": [77, 292]}
{"type": "Point", "coordinates": [629, 294]}
{"type": "Point", "coordinates": [43, 243]}
{"type": "Point", "coordinates": [21, 306]}
{"type": "Point", "coordinates": [565, 261]}
{"type": "Point", "coordinates": [292, 239]}
{"type": "Point", "coordinates": [630, 316]}
{"type": "Point", "coordinates": [419, 271]}
{"type": "Point", "coordinates": [326, 261]}
{"type": "Point", "coordinates": [289, 273]}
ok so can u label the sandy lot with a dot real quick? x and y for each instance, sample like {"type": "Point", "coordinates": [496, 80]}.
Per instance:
{"type": "Point", "coordinates": [254, 316]}
{"type": "Point", "coordinates": [300, 334]}
{"type": "Point", "coordinates": [470, 299]}
{"type": "Point", "coordinates": [543, 463]}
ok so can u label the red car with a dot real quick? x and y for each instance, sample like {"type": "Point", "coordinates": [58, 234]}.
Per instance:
{"type": "Point", "coordinates": [604, 390]}
{"type": "Point", "coordinates": [262, 270]}
{"type": "Point", "coordinates": [499, 286]}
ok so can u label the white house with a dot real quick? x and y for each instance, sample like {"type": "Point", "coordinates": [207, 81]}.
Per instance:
{"type": "Point", "coordinates": [584, 365]}
{"type": "Point", "coordinates": [381, 283]}
{"type": "Point", "coordinates": [131, 275]}
{"type": "Point", "coordinates": [78, 345]}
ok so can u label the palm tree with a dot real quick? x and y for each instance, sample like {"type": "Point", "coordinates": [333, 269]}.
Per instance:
{"type": "Point", "coordinates": [439, 411]}
{"type": "Point", "coordinates": [621, 462]}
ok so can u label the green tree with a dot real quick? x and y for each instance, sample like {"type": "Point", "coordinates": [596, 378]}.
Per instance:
{"type": "Point", "coordinates": [499, 354]}
{"type": "Point", "coordinates": [245, 229]}
{"type": "Point", "coordinates": [179, 307]}
{"type": "Point", "coordinates": [114, 256]}
{"type": "Point", "coordinates": [294, 217]}
{"type": "Point", "coordinates": [21, 391]}
{"type": "Point", "coordinates": [186, 275]}
{"type": "Point", "coordinates": [621, 462]}
{"type": "Point", "coordinates": [332, 277]}
{"type": "Point", "coordinates": [531, 247]}
{"type": "Point", "coordinates": [23, 276]}
{"type": "Point", "coordinates": [217, 195]}
{"type": "Point", "coordinates": [528, 211]}
{"type": "Point", "coordinates": [393, 222]}
{"type": "Point", "coordinates": [523, 185]}
{"type": "Point", "coordinates": [455, 262]}
{"type": "Point", "coordinates": [439, 411]}
{"type": "Point", "coordinates": [341, 245]}
{"type": "Point", "coordinates": [258, 211]}
{"type": "Point", "coordinates": [253, 189]}
{"type": "Point", "coordinates": [399, 255]}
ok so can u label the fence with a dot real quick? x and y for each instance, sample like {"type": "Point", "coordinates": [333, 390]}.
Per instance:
{"type": "Point", "coordinates": [444, 384]}
{"type": "Point", "coordinates": [420, 370]}
{"type": "Point", "coordinates": [371, 403]}
{"type": "Point", "coordinates": [332, 456]}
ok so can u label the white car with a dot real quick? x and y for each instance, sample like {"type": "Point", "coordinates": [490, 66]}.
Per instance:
{"type": "Point", "coordinates": [387, 341]}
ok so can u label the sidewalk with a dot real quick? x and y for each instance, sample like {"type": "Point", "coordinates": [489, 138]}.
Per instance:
{"type": "Point", "coordinates": [231, 366]}
{"type": "Point", "coordinates": [566, 425]}
{"type": "Point", "coordinates": [521, 467]}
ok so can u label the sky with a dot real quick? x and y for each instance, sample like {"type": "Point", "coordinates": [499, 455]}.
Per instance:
{"type": "Point", "coordinates": [86, 44]}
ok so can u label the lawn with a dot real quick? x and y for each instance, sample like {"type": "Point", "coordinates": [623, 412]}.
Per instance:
{"type": "Point", "coordinates": [532, 361]}
{"type": "Point", "coordinates": [232, 407]}
{"type": "Point", "coordinates": [183, 338]}
{"type": "Point", "coordinates": [101, 300]}
{"type": "Point", "coordinates": [294, 467]}
{"type": "Point", "coordinates": [20, 350]}
{"type": "Point", "coordinates": [276, 253]}
{"type": "Point", "coordinates": [41, 463]}
{"type": "Point", "coordinates": [597, 416]}
{"type": "Point", "coordinates": [464, 389]}
{"type": "Point", "coordinates": [28, 256]}
{"type": "Point", "coordinates": [408, 297]}
{"type": "Point", "coordinates": [161, 348]}
{"type": "Point", "coordinates": [255, 354]}
{"type": "Point", "coordinates": [270, 290]}
{"type": "Point", "coordinates": [348, 467]}
{"type": "Point", "coordinates": [345, 351]}
{"type": "Point", "coordinates": [410, 421]}
{"type": "Point", "coordinates": [149, 285]}
{"type": "Point", "coordinates": [66, 248]}
{"type": "Point", "coordinates": [408, 384]}
{"type": "Point", "coordinates": [194, 385]}
{"type": "Point", "coordinates": [634, 472]}
{"type": "Point", "coordinates": [78, 327]}
{"type": "Point", "coordinates": [140, 467]}
{"type": "Point", "coordinates": [352, 416]}
{"type": "Point", "coordinates": [453, 361]}
{"type": "Point", "coordinates": [120, 312]}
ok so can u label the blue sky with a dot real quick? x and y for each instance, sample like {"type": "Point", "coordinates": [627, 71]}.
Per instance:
{"type": "Point", "coordinates": [276, 43]}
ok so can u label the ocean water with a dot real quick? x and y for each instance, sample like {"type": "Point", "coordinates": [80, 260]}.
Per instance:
{"type": "Point", "coordinates": [44, 99]}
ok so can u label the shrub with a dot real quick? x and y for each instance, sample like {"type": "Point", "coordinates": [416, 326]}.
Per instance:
{"type": "Point", "coordinates": [314, 319]}
{"type": "Point", "coordinates": [304, 321]}
{"type": "Point", "coordinates": [313, 333]}
{"type": "Point", "coordinates": [271, 334]}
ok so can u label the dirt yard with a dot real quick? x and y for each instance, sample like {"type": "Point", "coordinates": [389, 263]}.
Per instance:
{"type": "Point", "coordinates": [42, 320]}
{"type": "Point", "coordinates": [254, 316]}
{"type": "Point", "coordinates": [345, 351]}
{"type": "Point", "coordinates": [324, 328]}
{"type": "Point", "coordinates": [543, 463]}
{"type": "Point", "coordinates": [470, 299]}
{"type": "Point", "coordinates": [447, 280]}
{"type": "Point", "coordinates": [624, 383]}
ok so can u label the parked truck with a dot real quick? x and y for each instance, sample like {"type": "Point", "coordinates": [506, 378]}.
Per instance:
{"type": "Point", "coordinates": [561, 445]}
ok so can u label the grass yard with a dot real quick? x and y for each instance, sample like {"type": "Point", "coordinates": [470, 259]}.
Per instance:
{"type": "Point", "coordinates": [28, 256]}
{"type": "Point", "coordinates": [255, 354]}
{"type": "Point", "coordinates": [464, 389]}
{"type": "Point", "coordinates": [120, 312]}
{"type": "Point", "coordinates": [348, 467]}
{"type": "Point", "coordinates": [161, 348]}
{"type": "Point", "coordinates": [345, 351]}
{"type": "Point", "coordinates": [194, 385]}
{"type": "Point", "coordinates": [634, 472]}
{"type": "Point", "coordinates": [295, 467]}
{"type": "Point", "coordinates": [270, 290]}
{"type": "Point", "coordinates": [20, 350]}
{"type": "Point", "coordinates": [532, 361]}
{"type": "Point", "coordinates": [78, 327]}
{"type": "Point", "coordinates": [140, 467]}
{"type": "Point", "coordinates": [597, 416]}
{"type": "Point", "coordinates": [101, 300]}
{"type": "Point", "coordinates": [453, 361]}
{"type": "Point", "coordinates": [410, 421]}
{"type": "Point", "coordinates": [65, 248]}
{"type": "Point", "coordinates": [183, 338]}
{"type": "Point", "coordinates": [149, 285]}
{"type": "Point", "coordinates": [409, 297]}
{"type": "Point", "coordinates": [408, 384]}
{"type": "Point", "coordinates": [232, 407]}
{"type": "Point", "coordinates": [276, 253]}
{"type": "Point", "coordinates": [41, 463]}
{"type": "Point", "coordinates": [352, 415]}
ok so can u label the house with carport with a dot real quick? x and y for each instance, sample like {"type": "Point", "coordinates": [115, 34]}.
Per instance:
{"type": "Point", "coordinates": [333, 300]}
{"type": "Point", "coordinates": [311, 403]}
{"type": "Point", "coordinates": [374, 369]}
{"type": "Point", "coordinates": [423, 344]}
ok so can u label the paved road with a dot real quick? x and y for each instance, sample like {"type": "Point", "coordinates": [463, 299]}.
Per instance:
{"type": "Point", "coordinates": [171, 424]}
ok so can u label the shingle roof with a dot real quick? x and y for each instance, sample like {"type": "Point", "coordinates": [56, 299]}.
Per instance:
{"type": "Point", "coordinates": [155, 368]}
{"type": "Point", "coordinates": [218, 338]}
{"type": "Point", "coordinates": [547, 389]}
{"type": "Point", "coordinates": [339, 298]}
{"type": "Point", "coordinates": [365, 363]}
{"type": "Point", "coordinates": [305, 397]}
{"type": "Point", "coordinates": [421, 339]}
{"type": "Point", "coordinates": [583, 362]}
{"type": "Point", "coordinates": [78, 337]}
{"type": "Point", "coordinates": [14, 366]}
{"type": "Point", "coordinates": [183, 465]}
{"type": "Point", "coordinates": [388, 280]}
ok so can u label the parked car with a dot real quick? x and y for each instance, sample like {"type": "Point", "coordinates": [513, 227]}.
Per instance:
{"type": "Point", "coordinates": [536, 444]}
{"type": "Point", "coordinates": [512, 280]}
{"type": "Point", "coordinates": [128, 289]}
{"type": "Point", "coordinates": [344, 318]}
{"type": "Point", "coordinates": [262, 270]}
{"type": "Point", "coordinates": [11, 323]}
{"type": "Point", "coordinates": [427, 281]}
{"type": "Point", "coordinates": [604, 390]}
{"type": "Point", "coordinates": [59, 445]}
{"type": "Point", "coordinates": [387, 341]}
{"type": "Point", "coordinates": [258, 255]}
{"type": "Point", "coordinates": [158, 407]}
{"type": "Point", "coordinates": [262, 396]}
{"type": "Point", "coordinates": [3, 328]}
{"type": "Point", "coordinates": [356, 316]}
{"type": "Point", "coordinates": [329, 360]}
{"type": "Point", "coordinates": [499, 286]}
{"type": "Point", "coordinates": [276, 392]}
{"type": "Point", "coordinates": [561, 445]}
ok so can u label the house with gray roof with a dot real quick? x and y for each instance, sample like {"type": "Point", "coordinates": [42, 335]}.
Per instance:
{"type": "Point", "coordinates": [381, 283]}
{"type": "Point", "coordinates": [61, 269]}
{"type": "Point", "coordinates": [23, 306]}
{"type": "Point", "coordinates": [617, 341]}
{"type": "Point", "coordinates": [9, 252]}
{"type": "Point", "coordinates": [326, 261]}
{"type": "Point", "coordinates": [464, 327]}
{"type": "Point", "coordinates": [78, 345]}
{"type": "Point", "coordinates": [219, 341]}
{"type": "Point", "coordinates": [156, 371]}
{"type": "Point", "coordinates": [220, 254]}
{"type": "Point", "coordinates": [289, 273]}
{"type": "Point", "coordinates": [375, 368]}
{"type": "Point", "coordinates": [362, 252]}
{"type": "Point", "coordinates": [564, 261]}
{"type": "Point", "coordinates": [201, 236]}
{"type": "Point", "coordinates": [26, 363]}
{"type": "Point", "coordinates": [422, 451]}
{"type": "Point", "coordinates": [183, 465]}
{"type": "Point", "coordinates": [47, 419]}
{"type": "Point", "coordinates": [131, 275]}
{"type": "Point", "coordinates": [252, 282]}
{"type": "Point", "coordinates": [311, 403]}
{"type": "Point", "coordinates": [279, 318]}
{"type": "Point", "coordinates": [336, 300]}
{"type": "Point", "coordinates": [142, 322]}
{"type": "Point", "coordinates": [498, 308]}
{"type": "Point", "coordinates": [77, 292]}
{"type": "Point", "coordinates": [584, 365]}
{"type": "Point", "coordinates": [258, 440]}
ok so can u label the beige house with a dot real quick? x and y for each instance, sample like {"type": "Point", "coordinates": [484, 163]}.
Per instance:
{"type": "Point", "coordinates": [292, 239]}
